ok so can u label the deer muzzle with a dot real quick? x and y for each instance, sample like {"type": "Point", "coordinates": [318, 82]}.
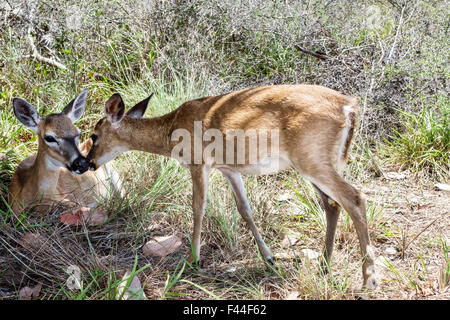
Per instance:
{"type": "Point", "coordinates": [80, 165]}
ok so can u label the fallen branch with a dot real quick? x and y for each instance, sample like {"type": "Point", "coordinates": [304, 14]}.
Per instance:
{"type": "Point", "coordinates": [397, 33]}
{"type": "Point", "coordinates": [406, 245]}
{"type": "Point", "coordinates": [312, 53]}
{"type": "Point", "coordinates": [35, 54]}
{"type": "Point", "coordinates": [296, 46]}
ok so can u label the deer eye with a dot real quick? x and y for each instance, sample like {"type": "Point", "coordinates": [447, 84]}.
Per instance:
{"type": "Point", "coordinates": [50, 139]}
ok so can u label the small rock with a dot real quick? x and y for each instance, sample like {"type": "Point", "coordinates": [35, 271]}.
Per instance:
{"type": "Point", "coordinates": [284, 197]}
{"type": "Point", "coordinates": [369, 192]}
{"type": "Point", "coordinates": [380, 261]}
{"type": "Point", "coordinates": [153, 227]}
{"type": "Point", "coordinates": [286, 243]}
{"type": "Point", "coordinates": [310, 254]}
{"type": "Point", "coordinates": [442, 187]}
{"type": "Point", "coordinates": [412, 198]}
{"type": "Point", "coordinates": [390, 251]}
{"type": "Point", "coordinates": [231, 269]}
{"type": "Point", "coordinates": [292, 296]}
{"type": "Point", "coordinates": [423, 206]}
{"type": "Point", "coordinates": [395, 175]}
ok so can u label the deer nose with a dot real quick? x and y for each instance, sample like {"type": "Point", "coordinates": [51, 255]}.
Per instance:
{"type": "Point", "coordinates": [92, 166]}
{"type": "Point", "coordinates": [80, 165]}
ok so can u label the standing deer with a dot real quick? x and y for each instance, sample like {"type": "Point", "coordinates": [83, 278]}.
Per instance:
{"type": "Point", "coordinates": [53, 174]}
{"type": "Point", "coordinates": [314, 127]}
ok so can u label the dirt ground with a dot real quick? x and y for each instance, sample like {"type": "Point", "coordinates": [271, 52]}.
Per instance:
{"type": "Point", "coordinates": [409, 237]}
{"type": "Point", "coordinates": [418, 224]}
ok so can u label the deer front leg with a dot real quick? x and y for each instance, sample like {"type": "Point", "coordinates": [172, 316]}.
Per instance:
{"type": "Point", "coordinates": [235, 181]}
{"type": "Point", "coordinates": [200, 177]}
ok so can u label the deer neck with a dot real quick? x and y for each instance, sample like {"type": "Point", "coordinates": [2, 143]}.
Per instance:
{"type": "Point", "coordinates": [44, 174]}
{"type": "Point", "coordinates": [149, 135]}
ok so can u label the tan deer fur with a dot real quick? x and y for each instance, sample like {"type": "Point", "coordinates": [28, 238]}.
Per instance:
{"type": "Point", "coordinates": [35, 184]}
{"type": "Point", "coordinates": [315, 127]}
{"type": "Point", "coordinates": [41, 181]}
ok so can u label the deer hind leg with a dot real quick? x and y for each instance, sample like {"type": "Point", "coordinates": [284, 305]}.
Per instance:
{"type": "Point", "coordinates": [332, 211]}
{"type": "Point", "coordinates": [235, 181]}
{"type": "Point", "coordinates": [200, 179]}
{"type": "Point", "coordinates": [336, 188]}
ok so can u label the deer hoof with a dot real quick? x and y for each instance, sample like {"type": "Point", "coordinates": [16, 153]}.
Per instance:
{"type": "Point", "coordinates": [371, 282]}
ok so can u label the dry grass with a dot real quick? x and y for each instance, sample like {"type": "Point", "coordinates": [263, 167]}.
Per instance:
{"type": "Point", "coordinates": [158, 203]}
{"type": "Point", "coordinates": [184, 50]}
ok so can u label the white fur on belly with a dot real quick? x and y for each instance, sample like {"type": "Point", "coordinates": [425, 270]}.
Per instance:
{"type": "Point", "coordinates": [268, 165]}
{"type": "Point", "coordinates": [53, 164]}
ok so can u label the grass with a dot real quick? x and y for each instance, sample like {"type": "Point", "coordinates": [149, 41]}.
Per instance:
{"type": "Point", "coordinates": [158, 202]}
{"type": "Point", "coordinates": [445, 271]}
{"type": "Point", "coordinates": [424, 145]}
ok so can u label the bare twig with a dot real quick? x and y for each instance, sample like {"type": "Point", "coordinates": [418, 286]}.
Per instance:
{"type": "Point", "coordinates": [328, 3]}
{"type": "Point", "coordinates": [376, 165]}
{"type": "Point", "coordinates": [397, 33]}
{"type": "Point", "coordinates": [312, 53]}
{"type": "Point", "coordinates": [414, 239]}
{"type": "Point", "coordinates": [9, 4]}
{"type": "Point", "coordinates": [35, 53]}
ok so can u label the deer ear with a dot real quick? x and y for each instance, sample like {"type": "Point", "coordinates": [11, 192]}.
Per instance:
{"type": "Point", "coordinates": [114, 109]}
{"type": "Point", "coordinates": [75, 109]}
{"type": "Point", "coordinates": [138, 110]}
{"type": "Point", "coordinates": [26, 114]}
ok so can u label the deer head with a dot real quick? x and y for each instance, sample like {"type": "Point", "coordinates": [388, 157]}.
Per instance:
{"type": "Point", "coordinates": [57, 135]}
{"type": "Point", "coordinates": [110, 133]}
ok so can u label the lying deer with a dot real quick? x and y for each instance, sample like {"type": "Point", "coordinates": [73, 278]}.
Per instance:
{"type": "Point", "coordinates": [314, 125]}
{"type": "Point", "coordinates": [53, 174]}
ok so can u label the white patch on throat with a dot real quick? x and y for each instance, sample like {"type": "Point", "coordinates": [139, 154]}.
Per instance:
{"type": "Point", "coordinates": [53, 164]}
{"type": "Point", "coordinates": [114, 153]}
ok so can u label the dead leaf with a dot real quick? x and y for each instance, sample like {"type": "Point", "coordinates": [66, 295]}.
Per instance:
{"type": "Point", "coordinates": [134, 290]}
{"type": "Point", "coordinates": [32, 241]}
{"type": "Point", "coordinates": [95, 217]}
{"type": "Point", "coordinates": [90, 217]}
{"type": "Point", "coordinates": [422, 206]}
{"type": "Point", "coordinates": [425, 292]}
{"type": "Point", "coordinates": [162, 246]}
{"type": "Point", "coordinates": [26, 293]}
{"type": "Point", "coordinates": [73, 217]}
